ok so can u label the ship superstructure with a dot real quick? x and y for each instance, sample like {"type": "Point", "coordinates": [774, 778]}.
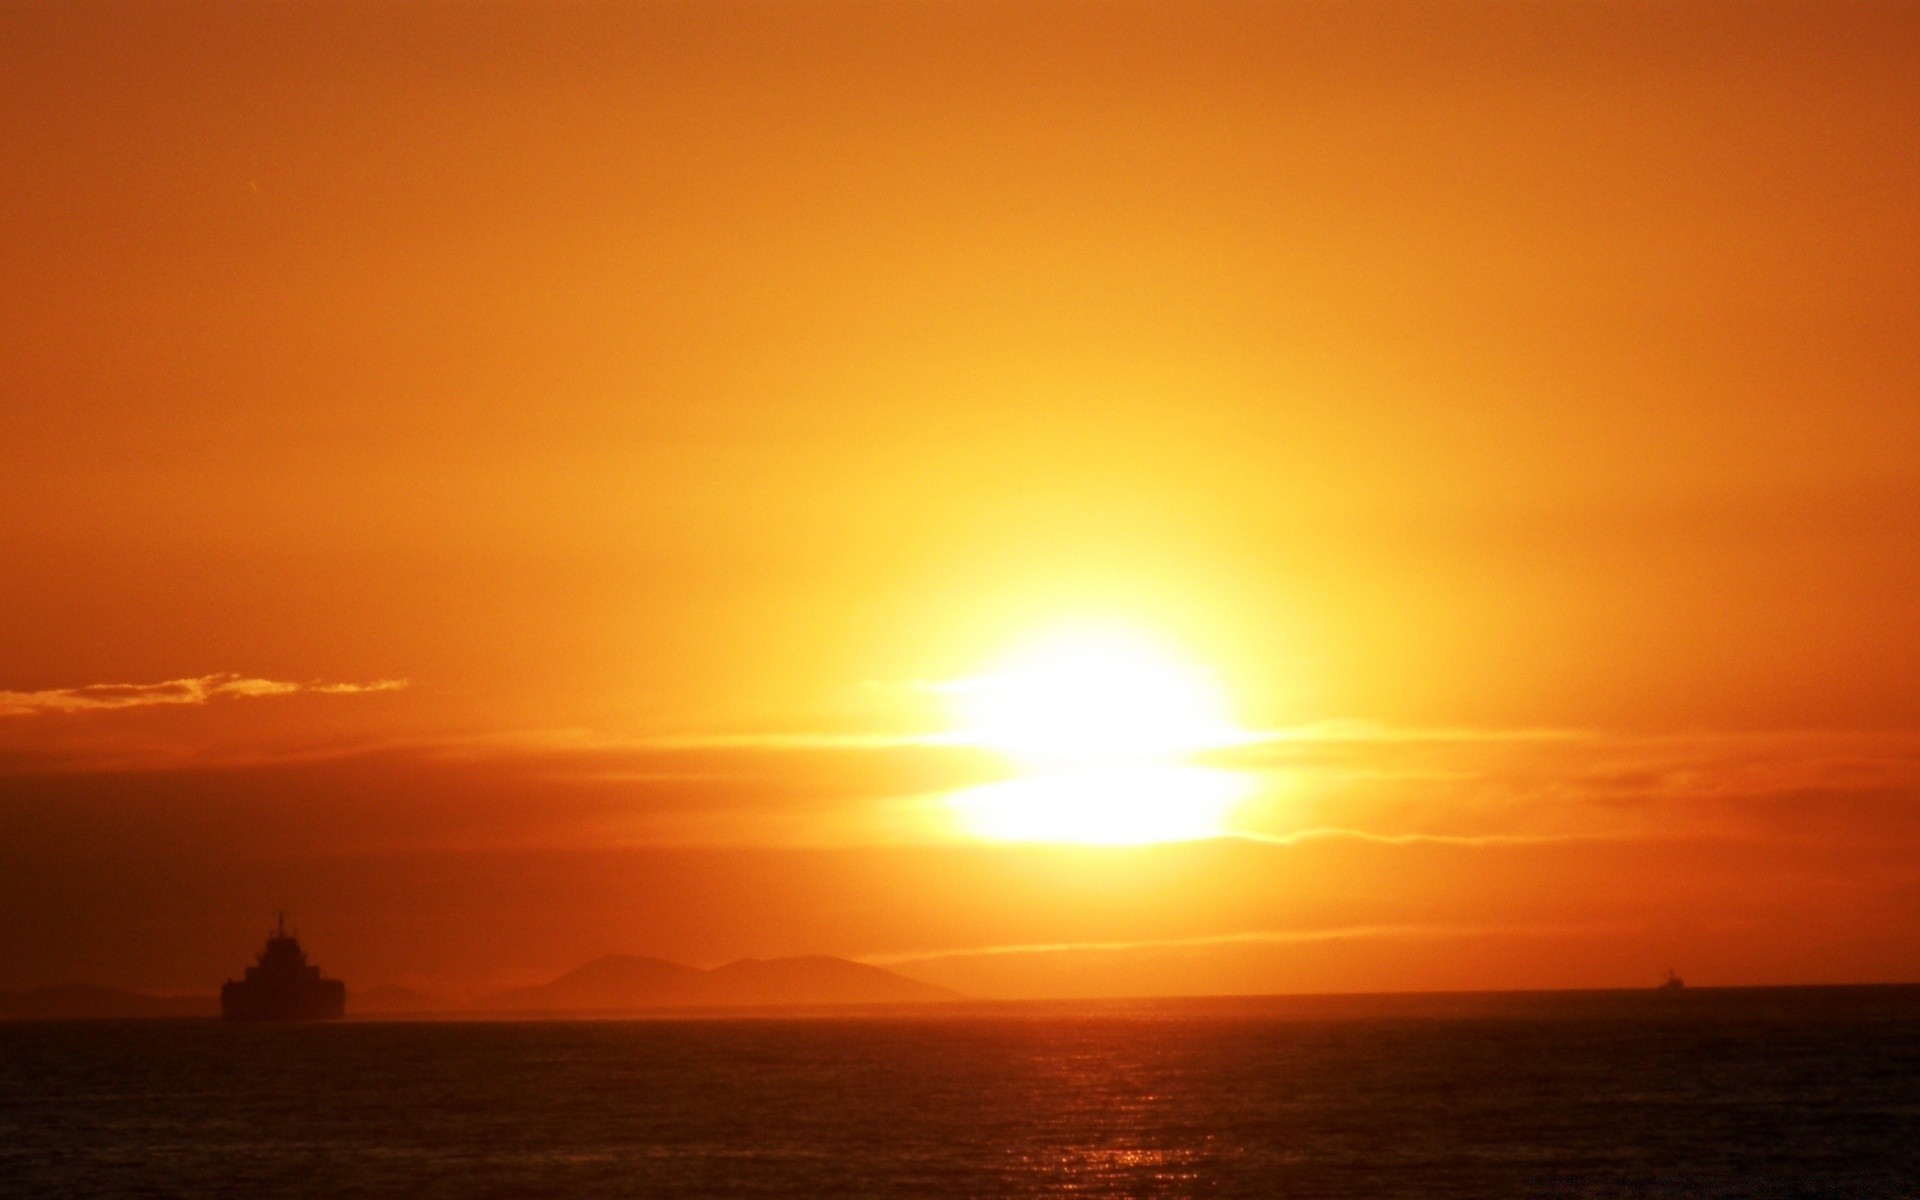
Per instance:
{"type": "Point", "coordinates": [283, 986]}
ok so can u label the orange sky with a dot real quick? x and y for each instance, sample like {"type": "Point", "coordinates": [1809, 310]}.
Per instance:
{"type": "Point", "coordinates": [510, 481]}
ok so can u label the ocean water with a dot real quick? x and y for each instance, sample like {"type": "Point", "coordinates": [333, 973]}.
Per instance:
{"type": "Point", "coordinates": [1770, 1093]}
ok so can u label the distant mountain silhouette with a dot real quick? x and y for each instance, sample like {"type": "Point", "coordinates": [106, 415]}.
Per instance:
{"type": "Point", "coordinates": [819, 980]}
{"type": "Point", "coordinates": [616, 983]}
{"type": "Point", "coordinates": [621, 982]}
{"type": "Point", "coordinates": [395, 1000]}
{"type": "Point", "coordinates": [76, 1001]}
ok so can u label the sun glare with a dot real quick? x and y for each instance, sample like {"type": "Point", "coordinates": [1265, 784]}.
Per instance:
{"type": "Point", "coordinates": [1091, 697]}
{"type": "Point", "coordinates": [1100, 723]}
{"type": "Point", "coordinates": [1114, 806]}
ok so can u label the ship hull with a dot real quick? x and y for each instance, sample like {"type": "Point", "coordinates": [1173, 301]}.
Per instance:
{"type": "Point", "coordinates": [325, 1000]}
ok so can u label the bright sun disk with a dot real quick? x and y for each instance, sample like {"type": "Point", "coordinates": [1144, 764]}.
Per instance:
{"type": "Point", "coordinates": [1091, 697]}
{"type": "Point", "coordinates": [1100, 723]}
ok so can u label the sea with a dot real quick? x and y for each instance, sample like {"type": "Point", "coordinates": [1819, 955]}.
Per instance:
{"type": "Point", "coordinates": [1810, 1092]}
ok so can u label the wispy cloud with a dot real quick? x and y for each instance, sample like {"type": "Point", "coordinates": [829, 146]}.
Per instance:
{"type": "Point", "coordinates": [1322, 833]}
{"type": "Point", "coordinates": [1262, 937]}
{"type": "Point", "coordinates": [101, 697]}
{"type": "Point", "coordinates": [1351, 730]}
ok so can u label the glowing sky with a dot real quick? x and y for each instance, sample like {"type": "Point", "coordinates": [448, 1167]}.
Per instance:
{"type": "Point", "coordinates": [515, 481]}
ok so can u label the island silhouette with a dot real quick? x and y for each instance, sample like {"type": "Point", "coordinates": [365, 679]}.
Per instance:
{"type": "Point", "coordinates": [608, 986]}
{"type": "Point", "coordinates": [624, 982]}
{"type": "Point", "coordinates": [92, 1001]}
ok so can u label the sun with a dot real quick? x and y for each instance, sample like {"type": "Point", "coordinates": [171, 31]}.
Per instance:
{"type": "Point", "coordinates": [1100, 723]}
{"type": "Point", "coordinates": [1091, 696]}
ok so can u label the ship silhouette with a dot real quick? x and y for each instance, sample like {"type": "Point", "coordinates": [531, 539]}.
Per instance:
{"type": "Point", "coordinates": [283, 986]}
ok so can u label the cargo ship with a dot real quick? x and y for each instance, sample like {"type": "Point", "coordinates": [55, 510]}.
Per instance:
{"type": "Point", "coordinates": [283, 986]}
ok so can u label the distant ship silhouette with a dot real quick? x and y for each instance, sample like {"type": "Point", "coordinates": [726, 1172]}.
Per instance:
{"type": "Point", "coordinates": [283, 986]}
{"type": "Point", "coordinates": [1672, 983]}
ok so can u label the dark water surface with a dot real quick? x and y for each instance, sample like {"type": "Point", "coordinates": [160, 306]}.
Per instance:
{"type": "Point", "coordinates": [1778, 1092]}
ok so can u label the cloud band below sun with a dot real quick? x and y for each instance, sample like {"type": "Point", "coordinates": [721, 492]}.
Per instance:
{"type": "Point", "coordinates": [1262, 937]}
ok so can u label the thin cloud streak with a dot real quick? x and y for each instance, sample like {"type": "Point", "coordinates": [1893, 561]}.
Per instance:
{"type": "Point", "coordinates": [1347, 730]}
{"type": "Point", "coordinates": [1330, 833]}
{"type": "Point", "coordinates": [1333, 732]}
{"type": "Point", "coordinates": [107, 697]}
{"type": "Point", "coordinates": [1261, 937]}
